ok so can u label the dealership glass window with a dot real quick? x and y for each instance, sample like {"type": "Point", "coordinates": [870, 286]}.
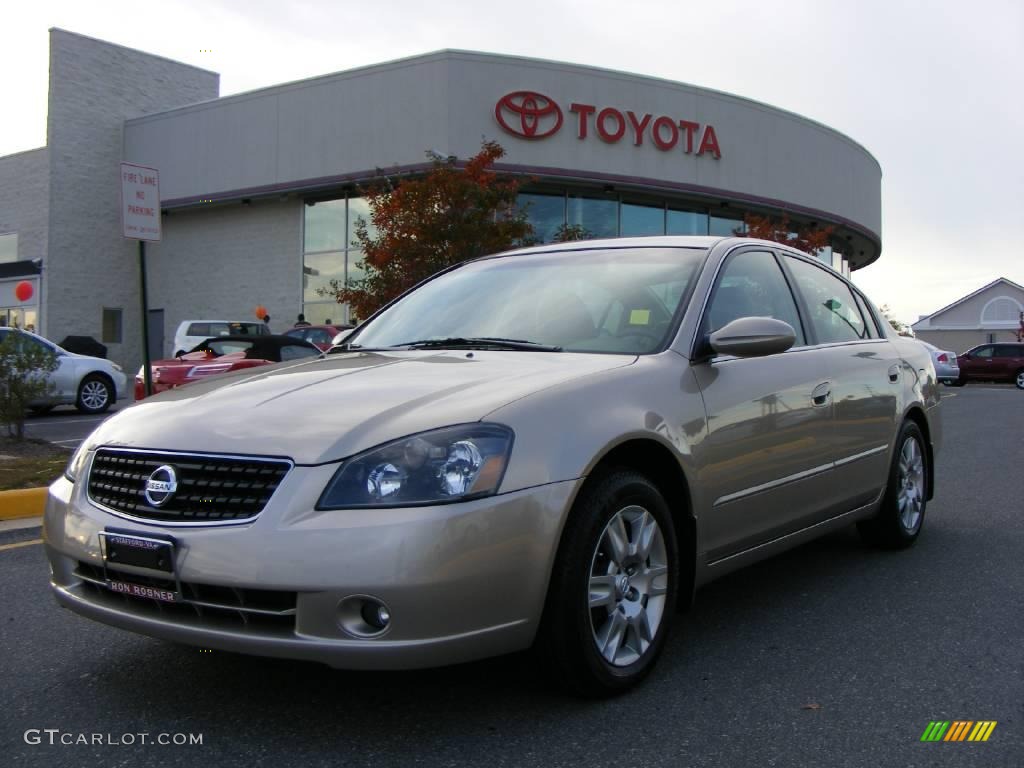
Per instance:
{"type": "Point", "coordinates": [358, 208]}
{"type": "Point", "coordinates": [638, 220]}
{"type": "Point", "coordinates": [598, 216]}
{"type": "Point", "coordinates": [325, 226]}
{"type": "Point", "coordinates": [111, 326]}
{"type": "Point", "coordinates": [318, 271]}
{"type": "Point", "coordinates": [19, 317]}
{"type": "Point", "coordinates": [686, 223]}
{"type": "Point", "coordinates": [8, 248]}
{"type": "Point", "coordinates": [724, 227]}
{"type": "Point", "coordinates": [546, 213]}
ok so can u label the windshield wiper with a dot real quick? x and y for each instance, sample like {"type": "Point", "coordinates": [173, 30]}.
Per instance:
{"type": "Point", "coordinates": [490, 342]}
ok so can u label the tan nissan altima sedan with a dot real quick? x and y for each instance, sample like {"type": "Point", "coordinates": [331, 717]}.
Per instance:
{"type": "Point", "coordinates": [551, 447]}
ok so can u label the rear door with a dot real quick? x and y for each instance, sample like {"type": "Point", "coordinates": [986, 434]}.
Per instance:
{"type": "Point", "coordinates": [865, 373]}
{"type": "Point", "coordinates": [765, 463]}
{"type": "Point", "coordinates": [978, 363]}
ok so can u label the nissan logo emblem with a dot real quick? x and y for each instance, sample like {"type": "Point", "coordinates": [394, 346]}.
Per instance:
{"type": "Point", "coordinates": [528, 114]}
{"type": "Point", "coordinates": [161, 485]}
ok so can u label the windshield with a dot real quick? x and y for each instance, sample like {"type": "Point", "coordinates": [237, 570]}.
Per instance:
{"type": "Point", "coordinates": [619, 300]}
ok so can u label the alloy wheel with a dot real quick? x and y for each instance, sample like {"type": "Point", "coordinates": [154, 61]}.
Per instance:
{"type": "Point", "coordinates": [910, 497]}
{"type": "Point", "coordinates": [94, 394]}
{"type": "Point", "coordinates": [628, 586]}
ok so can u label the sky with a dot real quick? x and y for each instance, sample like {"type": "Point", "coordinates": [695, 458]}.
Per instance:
{"type": "Point", "coordinates": [932, 89]}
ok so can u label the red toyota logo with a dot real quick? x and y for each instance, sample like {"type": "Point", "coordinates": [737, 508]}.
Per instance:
{"type": "Point", "coordinates": [530, 115]}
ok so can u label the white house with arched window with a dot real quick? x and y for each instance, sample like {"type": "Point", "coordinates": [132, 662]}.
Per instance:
{"type": "Point", "coordinates": [991, 313]}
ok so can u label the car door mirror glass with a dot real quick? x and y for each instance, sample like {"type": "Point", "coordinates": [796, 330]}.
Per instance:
{"type": "Point", "coordinates": [753, 337]}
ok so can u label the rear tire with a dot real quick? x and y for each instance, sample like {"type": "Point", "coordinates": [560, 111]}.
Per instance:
{"type": "Point", "coordinates": [613, 587]}
{"type": "Point", "coordinates": [95, 394]}
{"type": "Point", "coordinates": [898, 523]}
{"type": "Point", "coordinates": [1019, 379]}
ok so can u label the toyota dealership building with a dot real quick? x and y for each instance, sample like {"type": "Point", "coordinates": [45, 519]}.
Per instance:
{"type": "Point", "coordinates": [260, 191]}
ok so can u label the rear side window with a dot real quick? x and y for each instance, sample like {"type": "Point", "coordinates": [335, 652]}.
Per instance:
{"type": "Point", "coordinates": [198, 329]}
{"type": "Point", "coordinates": [296, 352]}
{"type": "Point", "coordinates": [752, 285]}
{"type": "Point", "coordinates": [319, 336]}
{"type": "Point", "coordinates": [983, 352]}
{"type": "Point", "coordinates": [834, 315]}
{"type": "Point", "coordinates": [1009, 350]}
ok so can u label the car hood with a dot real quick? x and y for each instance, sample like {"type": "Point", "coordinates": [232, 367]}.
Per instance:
{"type": "Point", "coordinates": [323, 410]}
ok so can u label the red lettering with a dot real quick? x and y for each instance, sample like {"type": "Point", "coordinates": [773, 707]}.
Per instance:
{"type": "Point", "coordinates": [656, 133]}
{"type": "Point", "coordinates": [709, 143]}
{"type": "Point", "coordinates": [584, 111]}
{"type": "Point", "coordinates": [638, 127]}
{"type": "Point", "coordinates": [603, 115]}
{"type": "Point", "coordinates": [690, 128]}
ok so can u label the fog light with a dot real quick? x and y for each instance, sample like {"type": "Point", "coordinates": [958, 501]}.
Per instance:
{"type": "Point", "coordinates": [375, 614]}
{"type": "Point", "coordinates": [363, 616]}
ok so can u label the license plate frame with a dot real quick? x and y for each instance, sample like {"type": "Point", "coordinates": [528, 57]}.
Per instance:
{"type": "Point", "coordinates": [150, 552]}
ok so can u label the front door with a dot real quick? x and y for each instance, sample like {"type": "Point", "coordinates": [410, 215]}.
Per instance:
{"type": "Point", "coordinates": [766, 464]}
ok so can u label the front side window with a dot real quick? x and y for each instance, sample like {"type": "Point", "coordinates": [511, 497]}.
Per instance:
{"type": "Point", "coordinates": [834, 315]}
{"type": "Point", "coordinates": [752, 285]}
{"type": "Point", "coordinates": [613, 300]}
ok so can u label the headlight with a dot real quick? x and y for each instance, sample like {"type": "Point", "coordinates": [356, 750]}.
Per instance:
{"type": "Point", "coordinates": [77, 462]}
{"type": "Point", "coordinates": [451, 464]}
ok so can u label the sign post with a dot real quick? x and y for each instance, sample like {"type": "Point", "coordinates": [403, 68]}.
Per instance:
{"type": "Point", "coordinates": [140, 220]}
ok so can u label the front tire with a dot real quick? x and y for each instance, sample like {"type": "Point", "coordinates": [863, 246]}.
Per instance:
{"type": "Point", "coordinates": [899, 521]}
{"type": "Point", "coordinates": [95, 394]}
{"type": "Point", "coordinates": [613, 587]}
{"type": "Point", "coordinates": [1019, 379]}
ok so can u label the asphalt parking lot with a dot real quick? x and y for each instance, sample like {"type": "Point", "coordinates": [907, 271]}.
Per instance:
{"type": "Point", "coordinates": [66, 426]}
{"type": "Point", "coordinates": [833, 654]}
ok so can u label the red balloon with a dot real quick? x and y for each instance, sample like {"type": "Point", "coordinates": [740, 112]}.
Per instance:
{"type": "Point", "coordinates": [260, 312]}
{"type": "Point", "coordinates": [23, 290]}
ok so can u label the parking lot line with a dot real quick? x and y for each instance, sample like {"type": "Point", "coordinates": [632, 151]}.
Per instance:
{"type": "Point", "coordinates": [44, 422]}
{"type": "Point", "coordinates": [17, 544]}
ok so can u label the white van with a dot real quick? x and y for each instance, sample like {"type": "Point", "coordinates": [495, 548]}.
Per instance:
{"type": "Point", "coordinates": [193, 332]}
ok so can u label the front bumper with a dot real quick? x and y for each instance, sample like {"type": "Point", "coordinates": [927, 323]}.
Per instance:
{"type": "Point", "coordinates": [462, 581]}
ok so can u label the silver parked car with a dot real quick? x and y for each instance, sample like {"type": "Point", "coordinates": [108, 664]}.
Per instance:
{"type": "Point", "coordinates": [551, 447]}
{"type": "Point", "coordinates": [947, 370]}
{"type": "Point", "coordinates": [91, 384]}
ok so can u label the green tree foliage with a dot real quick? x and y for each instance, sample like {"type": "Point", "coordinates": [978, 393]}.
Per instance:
{"type": "Point", "coordinates": [24, 379]}
{"type": "Point", "coordinates": [423, 225]}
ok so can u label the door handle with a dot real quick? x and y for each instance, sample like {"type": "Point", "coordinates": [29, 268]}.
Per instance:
{"type": "Point", "coordinates": [894, 373]}
{"type": "Point", "coordinates": [821, 394]}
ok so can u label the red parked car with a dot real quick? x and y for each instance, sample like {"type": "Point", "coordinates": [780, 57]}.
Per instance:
{"type": "Point", "coordinates": [220, 355]}
{"type": "Point", "coordinates": [321, 336]}
{"type": "Point", "coordinates": [1003, 361]}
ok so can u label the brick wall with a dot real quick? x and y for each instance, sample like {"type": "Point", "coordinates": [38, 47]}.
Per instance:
{"type": "Point", "coordinates": [94, 87]}
{"type": "Point", "coordinates": [219, 263]}
{"type": "Point", "coordinates": [24, 200]}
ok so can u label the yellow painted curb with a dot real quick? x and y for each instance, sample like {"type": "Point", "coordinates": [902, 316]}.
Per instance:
{"type": "Point", "coordinates": [27, 502]}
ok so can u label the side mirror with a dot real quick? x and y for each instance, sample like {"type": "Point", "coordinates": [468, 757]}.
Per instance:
{"type": "Point", "coordinates": [753, 337]}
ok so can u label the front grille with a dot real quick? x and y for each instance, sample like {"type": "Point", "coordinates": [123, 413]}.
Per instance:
{"type": "Point", "coordinates": [211, 489]}
{"type": "Point", "coordinates": [206, 604]}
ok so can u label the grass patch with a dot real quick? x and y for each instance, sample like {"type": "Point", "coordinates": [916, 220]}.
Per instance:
{"type": "Point", "coordinates": [30, 463]}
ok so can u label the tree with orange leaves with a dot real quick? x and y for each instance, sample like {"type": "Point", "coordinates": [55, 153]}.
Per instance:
{"type": "Point", "coordinates": [423, 225]}
{"type": "Point", "coordinates": [809, 239]}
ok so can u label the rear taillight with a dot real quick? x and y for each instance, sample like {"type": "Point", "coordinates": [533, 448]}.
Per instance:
{"type": "Point", "coordinates": [943, 358]}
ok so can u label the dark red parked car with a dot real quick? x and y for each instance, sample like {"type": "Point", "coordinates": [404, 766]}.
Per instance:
{"type": "Point", "coordinates": [1003, 361]}
{"type": "Point", "coordinates": [220, 355]}
{"type": "Point", "coordinates": [320, 335]}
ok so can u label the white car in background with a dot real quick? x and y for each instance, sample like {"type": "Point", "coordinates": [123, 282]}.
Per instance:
{"type": "Point", "coordinates": [192, 333]}
{"type": "Point", "coordinates": [91, 384]}
{"type": "Point", "coordinates": [947, 369]}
